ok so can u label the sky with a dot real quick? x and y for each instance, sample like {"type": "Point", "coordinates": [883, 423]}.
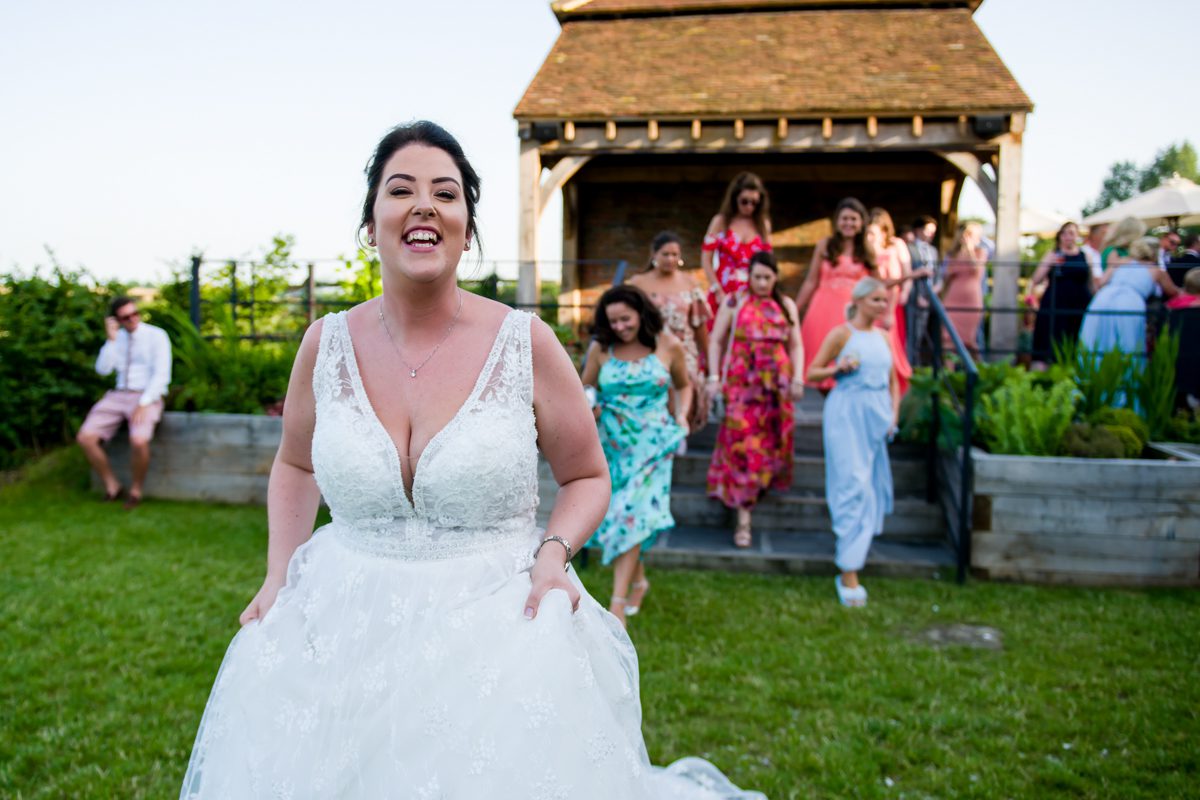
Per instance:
{"type": "Point", "coordinates": [133, 134]}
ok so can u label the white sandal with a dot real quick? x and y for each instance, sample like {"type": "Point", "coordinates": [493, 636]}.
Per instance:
{"type": "Point", "coordinates": [644, 587]}
{"type": "Point", "coordinates": [852, 598]}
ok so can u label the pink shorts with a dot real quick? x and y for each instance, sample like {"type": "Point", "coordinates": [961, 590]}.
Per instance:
{"type": "Point", "coordinates": [117, 406]}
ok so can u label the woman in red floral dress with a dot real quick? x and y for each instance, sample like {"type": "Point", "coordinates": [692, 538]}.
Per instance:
{"type": "Point", "coordinates": [760, 381]}
{"type": "Point", "coordinates": [739, 230]}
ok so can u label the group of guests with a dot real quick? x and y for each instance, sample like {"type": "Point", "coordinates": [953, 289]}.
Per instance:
{"type": "Point", "coordinates": [1096, 290]}
{"type": "Point", "coordinates": [668, 354]}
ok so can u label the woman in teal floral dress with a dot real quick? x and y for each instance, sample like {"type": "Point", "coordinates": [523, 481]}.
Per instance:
{"type": "Point", "coordinates": [633, 363]}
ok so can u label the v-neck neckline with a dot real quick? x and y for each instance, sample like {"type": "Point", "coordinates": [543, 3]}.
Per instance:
{"type": "Point", "coordinates": [360, 391]}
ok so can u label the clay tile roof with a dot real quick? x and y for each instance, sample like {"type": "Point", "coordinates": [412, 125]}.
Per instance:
{"type": "Point", "coordinates": [579, 9]}
{"type": "Point", "coordinates": [792, 63]}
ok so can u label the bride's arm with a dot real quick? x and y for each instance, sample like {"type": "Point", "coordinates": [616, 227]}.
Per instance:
{"type": "Point", "coordinates": [567, 438]}
{"type": "Point", "coordinates": [292, 493]}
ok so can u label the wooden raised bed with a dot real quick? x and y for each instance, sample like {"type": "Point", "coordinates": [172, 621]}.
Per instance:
{"type": "Point", "coordinates": [1112, 522]}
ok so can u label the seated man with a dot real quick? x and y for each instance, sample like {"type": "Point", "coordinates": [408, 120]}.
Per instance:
{"type": "Point", "coordinates": [141, 356]}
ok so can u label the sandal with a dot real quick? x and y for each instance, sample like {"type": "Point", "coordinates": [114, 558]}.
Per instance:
{"type": "Point", "coordinates": [640, 588]}
{"type": "Point", "coordinates": [112, 496]}
{"type": "Point", "coordinates": [852, 598]}
{"type": "Point", "coordinates": [742, 537]}
{"type": "Point", "coordinates": [133, 502]}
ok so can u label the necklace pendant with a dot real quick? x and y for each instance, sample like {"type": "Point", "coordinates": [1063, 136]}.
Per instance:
{"type": "Point", "coordinates": [412, 373]}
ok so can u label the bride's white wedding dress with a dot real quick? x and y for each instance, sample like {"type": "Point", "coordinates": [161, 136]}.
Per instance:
{"type": "Point", "coordinates": [397, 663]}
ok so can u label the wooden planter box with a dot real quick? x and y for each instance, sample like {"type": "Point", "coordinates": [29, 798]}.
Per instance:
{"type": "Point", "coordinates": [224, 458]}
{"type": "Point", "coordinates": [1107, 522]}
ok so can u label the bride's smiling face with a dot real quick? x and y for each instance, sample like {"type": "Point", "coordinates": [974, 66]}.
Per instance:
{"type": "Point", "coordinates": [420, 217]}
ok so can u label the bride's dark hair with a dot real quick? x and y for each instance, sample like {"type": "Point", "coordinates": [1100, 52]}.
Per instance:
{"type": "Point", "coordinates": [429, 134]}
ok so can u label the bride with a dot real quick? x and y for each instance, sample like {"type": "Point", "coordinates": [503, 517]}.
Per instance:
{"type": "Point", "coordinates": [430, 642]}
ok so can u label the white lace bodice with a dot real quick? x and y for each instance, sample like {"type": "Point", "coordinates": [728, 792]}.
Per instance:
{"type": "Point", "coordinates": [475, 485]}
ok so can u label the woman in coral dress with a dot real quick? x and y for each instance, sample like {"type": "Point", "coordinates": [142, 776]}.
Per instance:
{"type": "Point", "coordinates": [838, 262]}
{"type": "Point", "coordinates": [895, 270]}
{"type": "Point", "coordinates": [962, 290]}
{"type": "Point", "coordinates": [739, 230]}
{"type": "Point", "coordinates": [760, 383]}
{"type": "Point", "coordinates": [681, 302]}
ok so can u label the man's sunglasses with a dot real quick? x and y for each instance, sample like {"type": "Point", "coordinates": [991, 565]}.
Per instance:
{"type": "Point", "coordinates": [129, 316]}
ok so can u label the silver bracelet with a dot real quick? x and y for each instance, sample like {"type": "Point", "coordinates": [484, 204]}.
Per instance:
{"type": "Point", "coordinates": [563, 542]}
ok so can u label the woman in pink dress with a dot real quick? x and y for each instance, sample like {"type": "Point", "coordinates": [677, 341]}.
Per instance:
{"type": "Point", "coordinates": [895, 271]}
{"type": "Point", "coordinates": [756, 330]}
{"type": "Point", "coordinates": [962, 289]}
{"type": "Point", "coordinates": [739, 230]}
{"type": "Point", "coordinates": [839, 261]}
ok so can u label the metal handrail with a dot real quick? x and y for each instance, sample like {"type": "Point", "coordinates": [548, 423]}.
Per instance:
{"type": "Point", "coordinates": [956, 506]}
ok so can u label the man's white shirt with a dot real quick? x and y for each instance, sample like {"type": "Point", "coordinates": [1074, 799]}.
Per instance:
{"type": "Point", "coordinates": [147, 370]}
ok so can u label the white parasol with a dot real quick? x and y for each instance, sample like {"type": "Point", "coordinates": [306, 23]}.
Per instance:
{"type": "Point", "coordinates": [1043, 224]}
{"type": "Point", "coordinates": [1176, 201]}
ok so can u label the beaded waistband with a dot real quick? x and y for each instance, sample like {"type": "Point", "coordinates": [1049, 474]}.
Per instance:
{"type": "Point", "coordinates": [418, 539]}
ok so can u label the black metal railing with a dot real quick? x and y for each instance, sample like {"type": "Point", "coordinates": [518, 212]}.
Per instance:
{"type": "Point", "coordinates": [950, 469]}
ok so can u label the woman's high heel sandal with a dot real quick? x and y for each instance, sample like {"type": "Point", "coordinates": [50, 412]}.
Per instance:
{"type": "Point", "coordinates": [640, 588]}
{"type": "Point", "coordinates": [742, 538]}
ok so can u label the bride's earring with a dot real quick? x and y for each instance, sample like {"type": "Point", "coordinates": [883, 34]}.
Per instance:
{"type": "Point", "coordinates": [467, 246]}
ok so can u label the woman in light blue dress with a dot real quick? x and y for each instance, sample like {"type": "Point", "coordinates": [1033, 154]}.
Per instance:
{"type": "Point", "coordinates": [633, 363]}
{"type": "Point", "coordinates": [859, 419]}
{"type": "Point", "coordinates": [1116, 317]}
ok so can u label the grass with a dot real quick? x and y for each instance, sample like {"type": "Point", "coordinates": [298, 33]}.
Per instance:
{"type": "Point", "coordinates": [113, 626]}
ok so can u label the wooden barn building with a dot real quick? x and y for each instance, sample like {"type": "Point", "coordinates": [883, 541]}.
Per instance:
{"type": "Point", "coordinates": [645, 109]}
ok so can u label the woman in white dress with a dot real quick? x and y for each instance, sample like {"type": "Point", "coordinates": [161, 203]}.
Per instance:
{"type": "Point", "coordinates": [431, 642]}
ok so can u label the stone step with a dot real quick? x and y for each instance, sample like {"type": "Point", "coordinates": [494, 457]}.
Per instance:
{"type": "Point", "coordinates": [808, 472]}
{"type": "Point", "coordinates": [794, 553]}
{"type": "Point", "coordinates": [797, 512]}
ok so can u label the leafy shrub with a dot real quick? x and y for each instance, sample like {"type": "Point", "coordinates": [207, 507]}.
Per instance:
{"type": "Point", "coordinates": [1155, 384]}
{"type": "Point", "coordinates": [1185, 427]}
{"type": "Point", "coordinates": [1083, 440]}
{"type": "Point", "coordinates": [1126, 418]}
{"type": "Point", "coordinates": [1131, 446]}
{"type": "Point", "coordinates": [223, 374]}
{"type": "Point", "coordinates": [1104, 381]}
{"type": "Point", "coordinates": [1021, 418]}
{"type": "Point", "coordinates": [51, 329]}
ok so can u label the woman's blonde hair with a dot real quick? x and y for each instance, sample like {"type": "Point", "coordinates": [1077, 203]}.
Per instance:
{"type": "Point", "coordinates": [956, 248]}
{"type": "Point", "coordinates": [1191, 281]}
{"type": "Point", "coordinates": [864, 288]}
{"type": "Point", "coordinates": [1125, 232]}
{"type": "Point", "coordinates": [1144, 249]}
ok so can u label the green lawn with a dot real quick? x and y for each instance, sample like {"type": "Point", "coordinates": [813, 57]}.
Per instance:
{"type": "Point", "coordinates": [113, 625]}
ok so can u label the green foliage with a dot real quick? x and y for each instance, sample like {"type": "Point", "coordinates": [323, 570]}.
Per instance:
{"type": "Point", "coordinates": [51, 329]}
{"type": "Point", "coordinates": [1103, 382]}
{"type": "Point", "coordinates": [1131, 446]}
{"type": "Point", "coordinates": [1155, 384]}
{"type": "Point", "coordinates": [360, 277]}
{"type": "Point", "coordinates": [916, 409]}
{"type": "Point", "coordinates": [1084, 440]}
{"type": "Point", "coordinates": [223, 374]}
{"type": "Point", "coordinates": [1022, 418]}
{"type": "Point", "coordinates": [1184, 427]}
{"type": "Point", "coordinates": [1175, 159]}
{"type": "Point", "coordinates": [1125, 178]}
{"type": "Point", "coordinates": [1126, 418]}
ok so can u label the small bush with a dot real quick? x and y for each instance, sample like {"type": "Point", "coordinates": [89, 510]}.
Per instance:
{"type": "Point", "coordinates": [1126, 418]}
{"type": "Point", "coordinates": [1131, 446]}
{"type": "Point", "coordinates": [1082, 440]}
{"type": "Point", "coordinates": [1185, 427]}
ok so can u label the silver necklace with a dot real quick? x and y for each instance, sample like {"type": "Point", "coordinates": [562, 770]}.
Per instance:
{"type": "Point", "coordinates": [412, 371]}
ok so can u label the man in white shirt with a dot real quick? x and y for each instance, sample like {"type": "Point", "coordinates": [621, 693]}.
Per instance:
{"type": "Point", "coordinates": [1094, 246]}
{"type": "Point", "coordinates": [140, 354]}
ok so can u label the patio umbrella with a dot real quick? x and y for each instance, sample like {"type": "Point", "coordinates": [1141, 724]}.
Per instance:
{"type": "Point", "coordinates": [1175, 201]}
{"type": "Point", "coordinates": [1044, 224]}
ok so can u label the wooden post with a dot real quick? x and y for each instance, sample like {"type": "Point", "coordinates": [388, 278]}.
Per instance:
{"type": "Point", "coordinates": [696, 130]}
{"type": "Point", "coordinates": [568, 131]}
{"type": "Point", "coordinates": [872, 127]}
{"type": "Point", "coordinates": [610, 130]}
{"type": "Point", "coordinates": [827, 128]}
{"type": "Point", "coordinates": [918, 127]}
{"type": "Point", "coordinates": [652, 130]}
{"type": "Point", "coordinates": [781, 128]}
{"type": "Point", "coordinates": [529, 177]}
{"type": "Point", "coordinates": [1005, 270]}
{"type": "Point", "coordinates": [739, 129]}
